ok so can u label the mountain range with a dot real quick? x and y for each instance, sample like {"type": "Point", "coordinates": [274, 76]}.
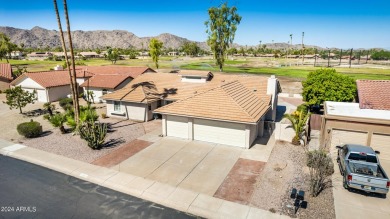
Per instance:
{"type": "Point", "coordinates": [39, 37]}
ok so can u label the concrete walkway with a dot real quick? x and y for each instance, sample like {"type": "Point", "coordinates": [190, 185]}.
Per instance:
{"type": "Point", "coordinates": [179, 198]}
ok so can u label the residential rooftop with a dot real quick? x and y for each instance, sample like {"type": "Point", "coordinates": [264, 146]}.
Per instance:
{"type": "Point", "coordinates": [354, 111]}
{"type": "Point", "coordinates": [374, 94]}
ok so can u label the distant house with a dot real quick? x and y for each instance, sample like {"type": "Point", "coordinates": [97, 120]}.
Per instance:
{"type": "Point", "coordinates": [366, 122]}
{"type": "Point", "coordinates": [5, 76]}
{"type": "Point", "coordinates": [49, 86]}
{"type": "Point", "coordinates": [143, 53]}
{"type": "Point", "coordinates": [292, 56]}
{"type": "Point", "coordinates": [173, 53]}
{"type": "Point", "coordinates": [16, 55]}
{"type": "Point", "coordinates": [61, 55]}
{"type": "Point", "coordinates": [39, 55]}
{"type": "Point", "coordinates": [311, 56]}
{"type": "Point", "coordinates": [266, 55]}
{"type": "Point", "coordinates": [195, 105]}
{"type": "Point", "coordinates": [106, 79]}
{"type": "Point", "coordinates": [89, 55]}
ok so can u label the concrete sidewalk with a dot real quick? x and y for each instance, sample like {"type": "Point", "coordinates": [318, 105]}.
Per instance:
{"type": "Point", "coordinates": [181, 199]}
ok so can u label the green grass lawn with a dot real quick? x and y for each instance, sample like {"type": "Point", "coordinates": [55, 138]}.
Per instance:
{"type": "Point", "coordinates": [243, 65]}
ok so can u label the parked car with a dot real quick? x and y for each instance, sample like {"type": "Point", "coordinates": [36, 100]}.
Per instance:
{"type": "Point", "coordinates": [359, 165]}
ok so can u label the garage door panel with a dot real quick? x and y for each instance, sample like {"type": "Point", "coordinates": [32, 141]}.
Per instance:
{"type": "Point", "coordinates": [381, 142]}
{"type": "Point", "coordinates": [219, 132]}
{"type": "Point", "coordinates": [348, 137]}
{"type": "Point", "coordinates": [177, 126]}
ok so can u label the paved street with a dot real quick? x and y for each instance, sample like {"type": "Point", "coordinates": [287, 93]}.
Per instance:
{"type": "Point", "coordinates": [31, 191]}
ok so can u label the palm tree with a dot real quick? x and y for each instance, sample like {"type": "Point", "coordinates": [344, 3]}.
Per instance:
{"type": "Point", "coordinates": [75, 87]}
{"type": "Point", "coordinates": [72, 83]}
{"type": "Point", "coordinates": [58, 120]}
{"type": "Point", "coordinates": [298, 121]}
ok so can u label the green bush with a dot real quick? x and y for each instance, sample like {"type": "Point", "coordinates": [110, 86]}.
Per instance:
{"type": "Point", "coordinates": [303, 108]}
{"type": "Point", "coordinates": [93, 133]}
{"type": "Point", "coordinates": [66, 103]}
{"type": "Point", "coordinates": [30, 129]}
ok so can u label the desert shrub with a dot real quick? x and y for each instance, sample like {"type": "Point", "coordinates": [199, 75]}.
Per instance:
{"type": "Point", "coordinates": [57, 120]}
{"type": "Point", "coordinates": [66, 103]}
{"type": "Point", "coordinates": [104, 115]}
{"type": "Point", "coordinates": [94, 133]}
{"type": "Point", "coordinates": [321, 167]}
{"type": "Point", "coordinates": [87, 113]}
{"type": "Point", "coordinates": [30, 129]}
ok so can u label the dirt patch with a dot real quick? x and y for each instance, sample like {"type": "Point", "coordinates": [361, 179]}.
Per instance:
{"type": "Point", "coordinates": [239, 184]}
{"type": "Point", "coordinates": [122, 153]}
{"type": "Point", "coordinates": [290, 85]}
{"type": "Point", "coordinates": [286, 169]}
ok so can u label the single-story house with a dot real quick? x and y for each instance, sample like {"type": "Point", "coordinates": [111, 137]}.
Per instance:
{"type": "Point", "coordinates": [61, 55]}
{"type": "Point", "coordinates": [39, 55]}
{"type": "Point", "coordinates": [107, 79]}
{"type": "Point", "coordinates": [49, 86]}
{"type": "Point", "coordinates": [173, 53]}
{"type": "Point", "coordinates": [366, 122]}
{"type": "Point", "coordinates": [16, 55]}
{"type": "Point", "coordinates": [89, 55]}
{"type": "Point", "coordinates": [5, 76]}
{"type": "Point", "coordinates": [224, 109]}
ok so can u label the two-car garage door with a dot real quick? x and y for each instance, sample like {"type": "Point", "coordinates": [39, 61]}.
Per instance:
{"type": "Point", "coordinates": [379, 142]}
{"type": "Point", "coordinates": [207, 130]}
{"type": "Point", "coordinates": [219, 132]}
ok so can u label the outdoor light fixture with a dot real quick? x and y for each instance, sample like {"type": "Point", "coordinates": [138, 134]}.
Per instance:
{"type": "Point", "coordinates": [298, 197]}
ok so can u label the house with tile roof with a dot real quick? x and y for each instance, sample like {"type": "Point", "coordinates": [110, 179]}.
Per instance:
{"type": "Point", "coordinates": [5, 76]}
{"type": "Point", "coordinates": [366, 122]}
{"type": "Point", "coordinates": [198, 105]}
{"type": "Point", "coordinates": [107, 79]}
{"type": "Point", "coordinates": [49, 86]}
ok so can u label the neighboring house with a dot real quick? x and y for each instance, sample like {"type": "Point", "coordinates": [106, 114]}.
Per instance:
{"type": "Point", "coordinates": [107, 79]}
{"type": "Point", "coordinates": [173, 53]}
{"type": "Point", "coordinates": [89, 55]}
{"type": "Point", "coordinates": [39, 55]}
{"type": "Point", "coordinates": [224, 109]}
{"type": "Point", "coordinates": [366, 122]}
{"type": "Point", "coordinates": [16, 55]}
{"type": "Point", "coordinates": [5, 76]}
{"type": "Point", "coordinates": [61, 55]}
{"type": "Point", "coordinates": [49, 86]}
{"type": "Point", "coordinates": [266, 55]}
{"type": "Point", "coordinates": [103, 84]}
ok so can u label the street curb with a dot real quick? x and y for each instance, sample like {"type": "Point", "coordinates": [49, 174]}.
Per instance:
{"type": "Point", "coordinates": [164, 194]}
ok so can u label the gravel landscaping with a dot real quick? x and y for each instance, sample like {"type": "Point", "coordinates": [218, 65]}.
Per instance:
{"type": "Point", "coordinates": [286, 169]}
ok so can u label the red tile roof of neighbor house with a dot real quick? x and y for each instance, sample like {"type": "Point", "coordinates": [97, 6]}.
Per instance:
{"type": "Point", "coordinates": [6, 71]}
{"type": "Point", "coordinates": [105, 81]}
{"type": "Point", "coordinates": [374, 94]}
{"type": "Point", "coordinates": [49, 78]}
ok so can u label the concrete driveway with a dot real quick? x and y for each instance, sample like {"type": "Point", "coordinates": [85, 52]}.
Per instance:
{"type": "Point", "coordinates": [194, 165]}
{"type": "Point", "coordinates": [356, 204]}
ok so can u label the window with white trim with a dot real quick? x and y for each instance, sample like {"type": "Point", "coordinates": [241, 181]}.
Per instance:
{"type": "Point", "coordinates": [117, 106]}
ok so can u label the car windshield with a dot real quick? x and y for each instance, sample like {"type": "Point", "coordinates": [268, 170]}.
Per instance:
{"type": "Point", "coordinates": [363, 157]}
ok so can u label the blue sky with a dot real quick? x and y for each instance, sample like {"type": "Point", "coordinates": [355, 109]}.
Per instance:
{"type": "Point", "coordinates": [331, 23]}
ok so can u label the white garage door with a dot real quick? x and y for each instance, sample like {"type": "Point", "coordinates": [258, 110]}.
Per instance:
{"type": "Point", "coordinates": [219, 132]}
{"type": "Point", "coordinates": [177, 126]}
{"type": "Point", "coordinates": [381, 142]}
{"type": "Point", "coordinates": [41, 94]}
{"type": "Point", "coordinates": [348, 137]}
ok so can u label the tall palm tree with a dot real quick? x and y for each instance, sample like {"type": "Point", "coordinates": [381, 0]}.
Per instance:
{"type": "Point", "coordinates": [72, 84]}
{"type": "Point", "coordinates": [76, 90]}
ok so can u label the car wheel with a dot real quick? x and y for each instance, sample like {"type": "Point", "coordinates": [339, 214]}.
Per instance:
{"type": "Point", "coordinates": [345, 184]}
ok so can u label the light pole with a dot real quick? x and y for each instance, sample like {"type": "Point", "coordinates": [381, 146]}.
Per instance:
{"type": "Point", "coordinates": [303, 55]}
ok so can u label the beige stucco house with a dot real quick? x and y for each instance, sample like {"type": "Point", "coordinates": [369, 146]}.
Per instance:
{"type": "Point", "coordinates": [198, 105]}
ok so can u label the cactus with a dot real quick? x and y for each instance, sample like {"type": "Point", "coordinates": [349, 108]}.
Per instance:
{"type": "Point", "coordinates": [93, 133]}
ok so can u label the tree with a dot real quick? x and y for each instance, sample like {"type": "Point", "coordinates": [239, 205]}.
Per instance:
{"type": "Point", "coordinates": [6, 47]}
{"type": "Point", "coordinates": [58, 120]}
{"type": "Point", "coordinates": [321, 167]}
{"type": "Point", "coordinates": [221, 28]}
{"type": "Point", "coordinates": [71, 70]}
{"type": "Point", "coordinates": [112, 55]}
{"type": "Point", "coordinates": [18, 98]}
{"type": "Point", "coordinates": [328, 85]}
{"type": "Point", "coordinates": [298, 120]}
{"type": "Point", "coordinates": [155, 50]}
{"type": "Point", "coordinates": [191, 48]}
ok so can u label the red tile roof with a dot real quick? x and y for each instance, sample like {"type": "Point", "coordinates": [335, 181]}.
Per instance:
{"type": "Point", "coordinates": [6, 71]}
{"type": "Point", "coordinates": [374, 94]}
{"type": "Point", "coordinates": [106, 81]}
{"type": "Point", "coordinates": [49, 78]}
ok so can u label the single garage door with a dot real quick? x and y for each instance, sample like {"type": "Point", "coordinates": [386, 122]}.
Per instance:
{"type": "Point", "coordinates": [348, 137]}
{"type": "Point", "coordinates": [381, 142]}
{"type": "Point", "coordinates": [219, 132]}
{"type": "Point", "coordinates": [177, 126]}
